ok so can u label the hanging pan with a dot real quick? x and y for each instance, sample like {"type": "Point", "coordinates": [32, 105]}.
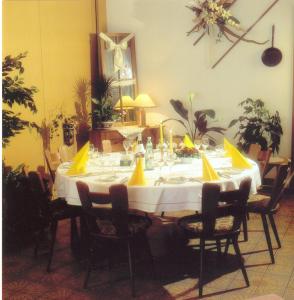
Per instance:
{"type": "Point", "coordinates": [272, 56]}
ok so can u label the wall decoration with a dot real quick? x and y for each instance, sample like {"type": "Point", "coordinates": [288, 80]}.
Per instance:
{"type": "Point", "coordinates": [118, 57]}
{"type": "Point", "coordinates": [216, 13]}
{"type": "Point", "coordinates": [272, 56]}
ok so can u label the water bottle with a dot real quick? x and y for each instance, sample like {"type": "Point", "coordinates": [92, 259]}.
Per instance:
{"type": "Point", "coordinates": [149, 157]}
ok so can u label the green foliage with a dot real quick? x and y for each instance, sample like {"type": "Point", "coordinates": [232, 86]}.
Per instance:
{"type": "Point", "coordinates": [15, 92]}
{"type": "Point", "coordinates": [257, 125]}
{"type": "Point", "coordinates": [102, 104]}
{"type": "Point", "coordinates": [195, 125]}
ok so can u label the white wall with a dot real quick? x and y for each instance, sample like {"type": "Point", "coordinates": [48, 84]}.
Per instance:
{"type": "Point", "coordinates": [169, 66]}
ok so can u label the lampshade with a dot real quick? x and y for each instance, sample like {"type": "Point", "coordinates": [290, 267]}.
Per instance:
{"type": "Point", "coordinates": [127, 102]}
{"type": "Point", "coordinates": [144, 101]}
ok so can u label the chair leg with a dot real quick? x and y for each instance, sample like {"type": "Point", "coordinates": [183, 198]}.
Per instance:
{"type": "Point", "coordinates": [272, 221]}
{"type": "Point", "coordinates": [131, 269]}
{"type": "Point", "coordinates": [149, 252]}
{"type": "Point", "coordinates": [227, 247]}
{"type": "Point", "coordinates": [268, 237]}
{"type": "Point", "coordinates": [38, 240]}
{"type": "Point", "coordinates": [54, 225]}
{"type": "Point", "coordinates": [247, 215]}
{"type": "Point", "coordinates": [241, 264]}
{"type": "Point", "coordinates": [89, 268]}
{"type": "Point", "coordinates": [202, 251]}
{"type": "Point", "coordinates": [245, 229]}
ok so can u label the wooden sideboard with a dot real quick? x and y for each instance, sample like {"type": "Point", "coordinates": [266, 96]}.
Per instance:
{"type": "Point", "coordinates": [98, 135]}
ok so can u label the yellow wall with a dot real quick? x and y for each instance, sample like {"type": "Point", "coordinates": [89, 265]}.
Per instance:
{"type": "Point", "coordinates": [56, 36]}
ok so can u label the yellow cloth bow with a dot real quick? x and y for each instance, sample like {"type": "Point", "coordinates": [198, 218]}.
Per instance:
{"type": "Point", "coordinates": [187, 142]}
{"type": "Point", "coordinates": [138, 177]}
{"type": "Point", "coordinates": [80, 161]}
{"type": "Point", "coordinates": [208, 172]}
{"type": "Point", "coordinates": [238, 160]}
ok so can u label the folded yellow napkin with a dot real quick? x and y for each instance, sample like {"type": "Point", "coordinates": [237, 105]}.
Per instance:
{"type": "Point", "coordinates": [138, 177]}
{"type": "Point", "coordinates": [208, 172]}
{"type": "Point", "coordinates": [238, 160]}
{"type": "Point", "coordinates": [79, 162]}
{"type": "Point", "coordinates": [227, 147]}
{"type": "Point", "coordinates": [187, 142]}
{"type": "Point", "coordinates": [80, 153]}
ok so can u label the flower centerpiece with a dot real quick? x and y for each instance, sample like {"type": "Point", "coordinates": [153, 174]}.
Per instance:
{"type": "Point", "coordinates": [185, 152]}
{"type": "Point", "coordinates": [211, 13]}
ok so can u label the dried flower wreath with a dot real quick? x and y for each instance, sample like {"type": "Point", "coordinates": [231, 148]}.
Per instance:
{"type": "Point", "coordinates": [216, 13]}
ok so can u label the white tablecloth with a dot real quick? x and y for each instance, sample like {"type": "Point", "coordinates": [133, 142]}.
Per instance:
{"type": "Point", "coordinates": [169, 196]}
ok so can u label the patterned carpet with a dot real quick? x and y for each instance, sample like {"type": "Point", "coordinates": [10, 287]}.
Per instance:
{"type": "Point", "coordinates": [176, 263]}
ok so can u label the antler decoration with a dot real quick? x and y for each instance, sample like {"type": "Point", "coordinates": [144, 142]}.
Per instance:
{"type": "Point", "coordinates": [216, 13]}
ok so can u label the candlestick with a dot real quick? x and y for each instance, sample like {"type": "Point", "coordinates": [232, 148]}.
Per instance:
{"type": "Point", "coordinates": [171, 141]}
{"type": "Point", "coordinates": [161, 134]}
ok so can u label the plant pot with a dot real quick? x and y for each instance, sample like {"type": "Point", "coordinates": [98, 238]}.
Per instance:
{"type": "Point", "coordinates": [104, 125]}
{"type": "Point", "coordinates": [68, 134]}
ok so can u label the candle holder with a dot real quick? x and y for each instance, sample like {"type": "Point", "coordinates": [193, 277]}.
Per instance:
{"type": "Point", "coordinates": [163, 150]}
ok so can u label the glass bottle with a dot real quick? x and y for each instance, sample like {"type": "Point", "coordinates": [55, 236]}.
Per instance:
{"type": "Point", "coordinates": [149, 157]}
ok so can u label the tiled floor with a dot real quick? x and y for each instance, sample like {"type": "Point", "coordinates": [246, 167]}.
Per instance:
{"type": "Point", "coordinates": [176, 268]}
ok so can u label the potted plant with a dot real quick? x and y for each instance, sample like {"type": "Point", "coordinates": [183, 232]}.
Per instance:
{"type": "Point", "coordinates": [257, 125]}
{"type": "Point", "coordinates": [195, 124]}
{"type": "Point", "coordinates": [14, 92]}
{"type": "Point", "coordinates": [103, 111]}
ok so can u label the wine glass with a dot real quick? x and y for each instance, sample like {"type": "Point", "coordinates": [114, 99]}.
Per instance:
{"type": "Point", "coordinates": [198, 143]}
{"type": "Point", "coordinates": [170, 160]}
{"type": "Point", "coordinates": [205, 143]}
{"type": "Point", "coordinates": [127, 144]}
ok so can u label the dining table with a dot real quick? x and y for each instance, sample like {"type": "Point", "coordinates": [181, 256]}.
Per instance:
{"type": "Point", "coordinates": [171, 185]}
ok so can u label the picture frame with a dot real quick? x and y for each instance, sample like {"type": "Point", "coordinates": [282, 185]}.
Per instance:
{"type": "Point", "coordinates": [125, 80]}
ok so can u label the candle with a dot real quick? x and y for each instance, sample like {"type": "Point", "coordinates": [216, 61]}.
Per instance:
{"type": "Point", "coordinates": [171, 141]}
{"type": "Point", "coordinates": [161, 134]}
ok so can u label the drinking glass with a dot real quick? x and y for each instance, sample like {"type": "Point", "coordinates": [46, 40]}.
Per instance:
{"type": "Point", "coordinates": [205, 143]}
{"type": "Point", "coordinates": [198, 143]}
{"type": "Point", "coordinates": [170, 160]}
{"type": "Point", "coordinates": [127, 144]}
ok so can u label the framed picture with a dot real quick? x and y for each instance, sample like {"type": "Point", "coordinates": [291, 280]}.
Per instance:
{"type": "Point", "coordinates": [118, 57]}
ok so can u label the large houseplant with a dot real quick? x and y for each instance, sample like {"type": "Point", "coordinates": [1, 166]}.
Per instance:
{"type": "Point", "coordinates": [102, 111]}
{"type": "Point", "coordinates": [14, 92]}
{"type": "Point", "coordinates": [195, 123]}
{"type": "Point", "coordinates": [257, 125]}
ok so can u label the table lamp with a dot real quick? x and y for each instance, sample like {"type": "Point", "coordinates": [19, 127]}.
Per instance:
{"type": "Point", "coordinates": [126, 102]}
{"type": "Point", "coordinates": [141, 102]}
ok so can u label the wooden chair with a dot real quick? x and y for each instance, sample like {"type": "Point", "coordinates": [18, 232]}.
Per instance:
{"type": "Point", "coordinates": [52, 162]}
{"type": "Point", "coordinates": [106, 146]}
{"type": "Point", "coordinates": [253, 152]}
{"type": "Point", "coordinates": [66, 153]}
{"type": "Point", "coordinates": [112, 226]}
{"type": "Point", "coordinates": [263, 161]}
{"type": "Point", "coordinates": [54, 211]}
{"type": "Point", "coordinates": [218, 222]}
{"type": "Point", "coordinates": [267, 205]}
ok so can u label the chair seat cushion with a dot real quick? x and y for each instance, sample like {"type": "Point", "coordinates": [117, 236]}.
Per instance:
{"type": "Point", "coordinates": [222, 225]}
{"type": "Point", "coordinates": [258, 202]}
{"type": "Point", "coordinates": [136, 224]}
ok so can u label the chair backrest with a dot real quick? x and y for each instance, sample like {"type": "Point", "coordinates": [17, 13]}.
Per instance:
{"type": "Point", "coordinates": [263, 160]}
{"type": "Point", "coordinates": [106, 146]}
{"type": "Point", "coordinates": [118, 214]}
{"type": "Point", "coordinates": [282, 180]}
{"type": "Point", "coordinates": [253, 152]}
{"type": "Point", "coordinates": [236, 202]}
{"type": "Point", "coordinates": [52, 161]}
{"type": "Point", "coordinates": [66, 153]}
{"type": "Point", "coordinates": [39, 192]}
